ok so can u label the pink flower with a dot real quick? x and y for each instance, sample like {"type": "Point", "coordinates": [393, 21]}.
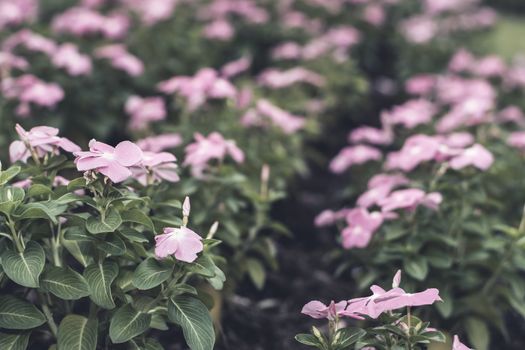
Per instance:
{"type": "Point", "coordinates": [511, 114]}
{"type": "Point", "coordinates": [42, 140]}
{"type": "Point", "coordinates": [220, 30]}
{"type": "Point", "coordinates": [181, 242]}
{"type": "Point", "coordinates": [286, 121]}
{"type": "Point", "coordinates": [81, 21]}
{"type": "Point", "coordinates": [422, 84]}
{"type": "Point", "coordinates": [476, 155]}
{"type": "Point", "coordinates": [121, 59]}
{"type": "Point", "coordinates": [416, 150]}
{"type": "Point", "coordinates": [353, 155]}
{"type": "Point", "coordinates": [490, 66]}
{"type": "Point", "coordinates": [144, 110]}
{"type": "Point", "coordinates": [461, 61]}
{"type": "Point", "coordinates": [68, 57]}
{"type": "Point", "coordinates": [318, 310]}
{"type": "Point", "coordinates": [160, 142]}
{"type": "Point", "coordinates": [152, 11]}
{"type": "Point", "coordinates": [204, 149]}
{"type": "Point", "coordinates": [419, 29]}
{"type": "Point", "coordinates": [276, 79]}
{"type": "Point", "coordinates": [156, 167]}
{"type": "Point", "coordinates": [325, 218]}
{"type": "Point", "coordinates": [410, 199]}
{"type": "Point", "coordinates": [458, 345]}
{"type": "Point", "coordinates": [361, 227]}
{"type": "Point", "coordinates": [16, 12]}
{"type": "Point", "coordinates": [31, 41]}
{"type": "Point", "coordinates": [374, 14]}
{"type": "Point", "coordinates": [236, 67]}
{"type": "Point", "coordinates": [29, 89]}
{"type": "Point", "coordinates": [411, 113]}
{"type": "Point", "coordinates": [113, 162]}
{"type": "Point", "coordinates": [286, 51]}
{"type": "Point", "coordinates": [371, 135]}
{"type": "Point", "coordinates": [517, 140]}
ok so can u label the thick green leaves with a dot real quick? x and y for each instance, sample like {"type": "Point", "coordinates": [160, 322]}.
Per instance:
{"type": "Point", "coordinates": [109, 223]}
{"type": "Point", "coordinates": [150, 273]}
{"type": "Point", "coordinates": [416, 267]}
{"type": "Point", "coordinates": [14, 341]}
{"type": "Point", "coordinates": [77, 333]}
{"type": "Point", "coordinates": [19, 314]}
{"type": "Point", "coordinates": [137, 216]}
{"type": "Point", "coordinates": [8, 174]}
{"type": "Point", "coordinates": [10, 198]}
{"type": "Point", "coordinates": [24, 268]}
{"type": "Point", "coordinates": [128, 323]}
{"type": "Point", "coordinates": [64, 283]}
{"type": "Point", "coordinates": [194, 318]}
{"type": "Point", "coordinates": [478, 333]}
{"type": "Point", "coordinates": [99, 277]}
{"type": "Point", "coordinates": [256, 272]}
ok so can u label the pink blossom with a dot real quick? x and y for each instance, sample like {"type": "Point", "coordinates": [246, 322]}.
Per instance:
{"type": "Point", "coordinates": [156, 167]}
{"type": "Point", "coordinates": [511, 114]}
{"type": "Point", "coordinates": [371, 135]}
{"type": "Point", "coordinates": [419, 29]}
{"type": "Point", "coordinates": [181, 242]}
{"type": "Point", "coordinates": [236, 67]}
{"type": "Point", "coordinates": [422, 84]}
{"type": "Point", "coordinates": [68, 57]}
{"type": "Point", "coordinates": [416, 150]}
{"type": "Point", "coordinates": [379, 187]}
{"type": "Point", "coordinates": [517, 140]}
{"type": "Point", "coordinates": [152, 11]}
{"type": "Point", "coordinates": [476, 155]}
{"type": "Point", "coordinates": [113, 162]}
{"type": "Point", "coordinates": [41, 140]}
{"type": "Point", "coordinates": [461, 61]}
{"type": "Point", "coordinates": [490, 66]}
{"type": "Point", "coordinates": [410, 199]}
{"type": "Point", "coordinates": [361, 227]}
{"type": "Point", "coordinates": [81, 21]}
{"type": "Point", "coordinates": [160, 142]}
{"type": "Point", "coordinates": [31, 41]}
{"type": "Point", "coordinates": [411, 113]}
{"type": "Point", "coordinates": [121, 59]}
{"type": "Point", "coordinates": [9, 61]}
{"type": "Point", "coordinates": [353, 155]}
{"type": "Point", "coordinates": [458, 140]}
{"type": "Point", "coordinates": [219, 30]}
{"type": "Point", "coordinates": [144, 110]}
{"type": "Point", "coordinates": [276, 79]}
{"type": "Point", "coordinates": [287, 51]}
{"type": "Point", "coordinates": [286, 121]}
{"type": "Point", "coordinates": [458, 345]}
{"type": "Point", "coordinates": [318, 310]}
{"type": "Point", "coordinates": [16, 12]}
{"type": "Point", "coordinates": [204, 149]}
{"type": "Point", "coordinates": [206, 84]}
{"type": "Point", "coordinates": [374, 14]}
{"type": "Point", "coordinates": [325, 218]}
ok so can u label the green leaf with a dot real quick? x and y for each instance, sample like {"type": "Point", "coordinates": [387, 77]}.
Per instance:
{"type": "Point", "coordinates": [76, 184]}
{"type": "Point", "coordinates": [99, 277]}
{"type": "Point", "coordinates": [307, 339]}
{"type": "Point", "coordinates": [65, 283]}
{"type": "Point", "coordinates": [10, 198]}
{"type": "Point", "coordinates": [194, 318]}
{"type": "Point", "coordinates": [137, 216]}
{"type": "Point", "coordinates": [14, 341]}
{"type": "Point", "coordinates": [256, 272]}
{"type": "Point", "coordinates": [24, 268]}
{"type": "Point", "coordinates": [48, 210]}
{"type": "Point", "coordinates": [77, 333]}
{"type": "Point", "coordinates": [8, 174]}
{"type": "Point", "coordinates": [416, 267]}
{"type": "Point", "coordinates": [127, 323]}
{"type": "Point", "coordinates": [39, 190]}
{"type": "Point", "coordinates": [19, 314]}
{"type": "Point", "coordinates": [82, 251]}
{"type": "Point", "coordinates": [150, 273]}
{"type": "Point", "coordinates": [109, 223]}
{"type": "Point", "coordinates": [203, 266]}
{"type": "Point", "coordinates": [112, 245]}
{"type": "Point", "coordinates": [349, 336]}
{"type": "Point", "coordinates": [478, 333]}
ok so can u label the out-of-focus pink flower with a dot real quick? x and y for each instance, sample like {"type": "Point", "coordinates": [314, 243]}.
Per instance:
{"type": "Point", "coordinates": [511, 114]}
{"type": "Point", "coordinates": [374, 14]}
{"type": "Point", "coordinates": [236, 67]}
{"type": "Point", "coordinates": [31, 41]}
{"type": "Point", "coordinates": [325, 218]}
{"type": "Point", "coordinates": [476, 155]}
{"type": "Point", "coordinates": [152, 11]}
{"type": "Point", "coordinates": [286, 121]}
{"type": "Point", "coordinates": [206, 84]}
{"type": "Point", "coordinates": [41, 140]}
{"type": "Point", "coordinates": [121, 59]}
{"type": "Point", "coordinates": [458, 345]}
{"type": "Point", "coordinates": [277, 79]}
{"type": "Point", "coordinates": [416, 150]}
{"type": "Point", "coordinates": [517, 140]}
{"type": "Point", "coordinates": [144, 111]}
{"type": "Point", "coordinates": [81, 21]}
{"type": "Point", "coordinates": [113, 162]}
{"type": "Point", "coordinates": [361, 227]}
{"type": "Point", "coordinates": [411, 113]}
{"type": "Point", "coordinates": [68, 57]}
{"type": "Point", "coordinates": [461, 61]}
{"type": "Point", "coordinates": [244, 97]}
{"type": "Point", "coordinates": [181, 242]}
{"type": "Point", "coordinates": [17, 12]}
{"type": "Point", "coordinates": [204, 149]}
{"type": "Point", "coordinates": [490, 66]}
{"type": "Point", "coordinates": [410, 199]}
{"type": "Point", "coordinates": [459, 140]}
{"type": "Point", "coordinates": [371, 135]}
{"type": "Point", "coordinates": [219, 30]}
{"type": "Point", "coordinates": [353, 155]}
{"type": "Point", "coordinates": [318, 310]}
{"type": "Point", "coordinates": [419, 29]}
{"type": "Point", "coordinates": [422, 84]}
{"type": "Point", "coordinates": [9, 61]}
{"type": "Point", "coordinates": [160, 142]}
{"type": "Point", "coordinates": [379, 187]}
{"type": "Point", "coordinates": [287, 51]}
{"type": "Point", "coordinates": [156, 167]}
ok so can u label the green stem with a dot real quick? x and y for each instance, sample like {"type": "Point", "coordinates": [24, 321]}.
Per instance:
{"type": "Point", "coordinates": [16, 238]}
{"type": "Point", "coordinates": [49, 316]}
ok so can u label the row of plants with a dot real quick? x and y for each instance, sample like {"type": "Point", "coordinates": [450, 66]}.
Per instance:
{"type": "Point", "coordinates": [235, 90]}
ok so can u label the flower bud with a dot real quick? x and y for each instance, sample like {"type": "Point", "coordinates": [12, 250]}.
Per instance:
{"type": "Point", "coordinates": [186, 207]}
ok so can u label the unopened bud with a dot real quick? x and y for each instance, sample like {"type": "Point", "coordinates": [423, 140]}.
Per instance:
{"type": "Point", "coordinates": [186, 207]}
{"type": "Point", "coordinates": [213, 230]}
{"type": "Point", "coordinates": [397, 279]}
